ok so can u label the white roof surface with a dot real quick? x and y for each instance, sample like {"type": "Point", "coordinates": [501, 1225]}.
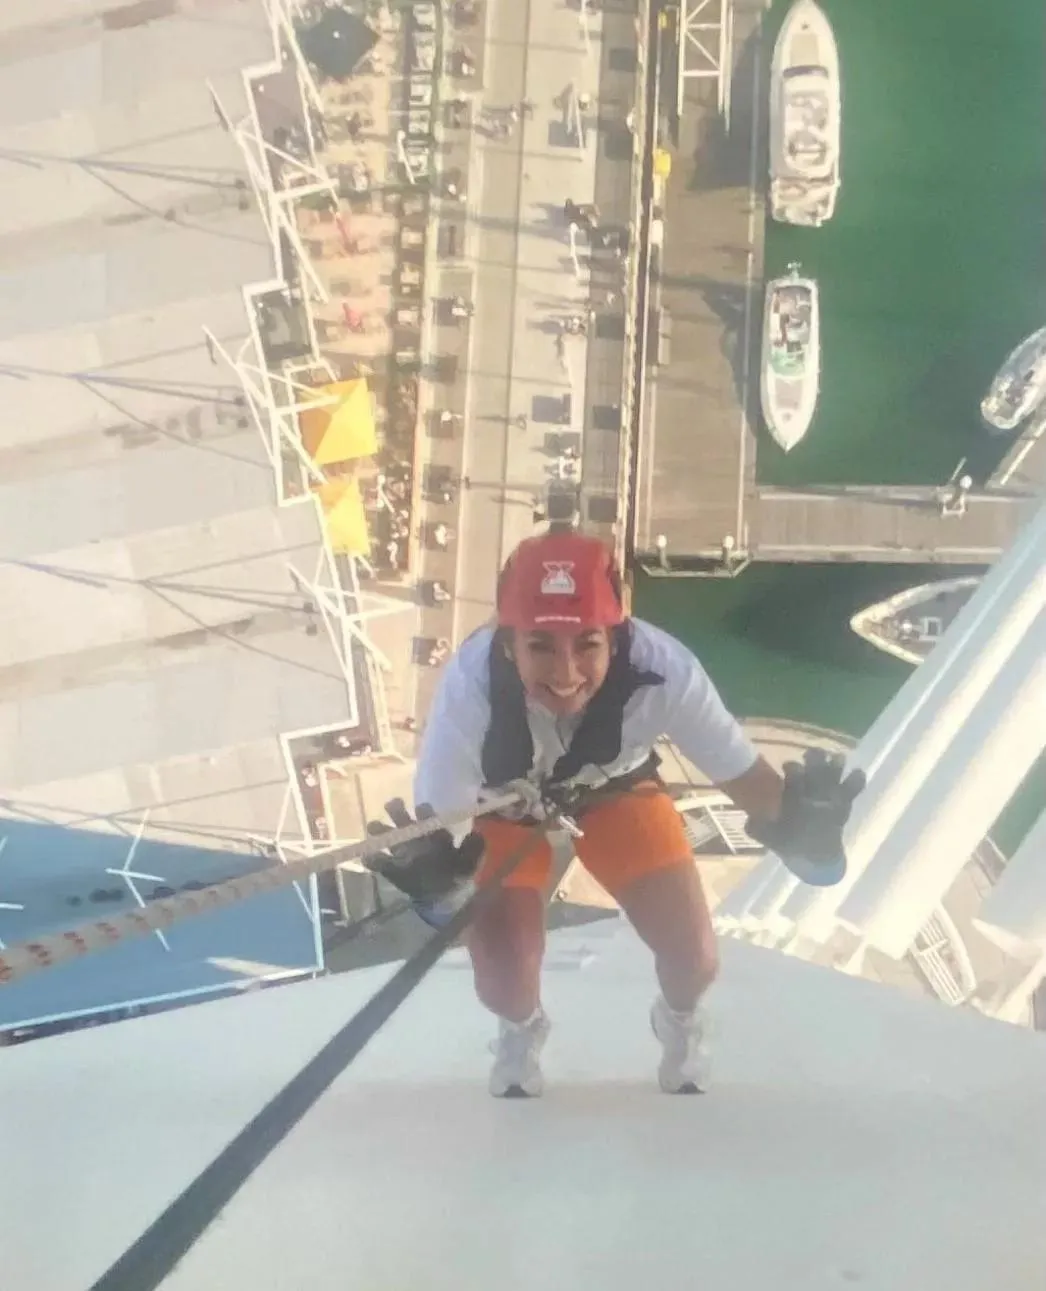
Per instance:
{"type": "Point", "coordinates": [855, 1136]}
{"type": "Point", "coordinates": [224, 692]}
{"type": "Point", "coordinates": [181, 642]}
{"type": "Point", "coordinates": [137, 502]}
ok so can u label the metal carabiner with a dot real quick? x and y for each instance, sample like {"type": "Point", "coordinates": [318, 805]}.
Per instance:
{"type": "Point", "coordinates": [568, 824]}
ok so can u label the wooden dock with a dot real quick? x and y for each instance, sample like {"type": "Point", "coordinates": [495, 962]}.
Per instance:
{"type": "Point", "coordinates": [1024, 466]}
{"type": "Point", "coordinates": [910, 526]}
{"type": "Point", "coordinates": [696, 462]}
{"type": "Point", "coordinates": [695, 487]}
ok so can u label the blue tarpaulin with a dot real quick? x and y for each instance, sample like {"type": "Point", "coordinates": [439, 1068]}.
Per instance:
{"type": "Point", "coordinates": [53, 877]}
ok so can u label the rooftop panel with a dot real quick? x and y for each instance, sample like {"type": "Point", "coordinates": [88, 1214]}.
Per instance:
{"type": "Point", "coordinates": [153, 586]}
{"type": "Point", "coordinates": [69, 394]}
{"type": "Point", "coordinates": [87, 60]}
{"type": "Point", "coordinates": [227, 690]}
{"type": "Point", "coordinates": [135, 270]}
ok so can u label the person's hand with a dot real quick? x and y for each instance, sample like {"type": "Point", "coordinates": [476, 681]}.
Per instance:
{"type": "Point", "coordinates": [815, 805]}
{"type": "Point", "coordinates": [434, 872]}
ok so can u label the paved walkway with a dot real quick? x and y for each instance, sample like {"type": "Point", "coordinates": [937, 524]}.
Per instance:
{"type": "Point", "coordinates": [510, 256]}
{"type": "Point", "coordinates": [525, 285]}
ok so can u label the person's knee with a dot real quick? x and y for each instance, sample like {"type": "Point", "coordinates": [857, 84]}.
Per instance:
{"type": "Point", "coordinates": [692, 954]}
{"type": "Point", "coordinates": [705, 962]}
{"type": "Point", "coordinates": [507, 947]}
{"type": "Point", "coordinates": [668, 910]}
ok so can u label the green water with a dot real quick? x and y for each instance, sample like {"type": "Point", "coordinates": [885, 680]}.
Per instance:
{"type": "Point", "coordinates": [777, 643]}
{"type": "Point", "coordinates": [934, 264]}
{"type": "Point", "coordinates": [932, 268]}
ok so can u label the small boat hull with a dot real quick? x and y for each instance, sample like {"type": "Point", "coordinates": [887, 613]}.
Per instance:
{"type": "Point", "coordinates": [805, 119]}
{"type": "Point", "coordinates": [791, 367]}
{"type": "Point", "coordinates": [1019, 386]}
{"type": "Point", "coordinates": [909, 624]}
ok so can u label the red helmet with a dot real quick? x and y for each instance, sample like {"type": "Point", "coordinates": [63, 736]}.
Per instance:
{"type": "Point", "coordinates": [560, 581]}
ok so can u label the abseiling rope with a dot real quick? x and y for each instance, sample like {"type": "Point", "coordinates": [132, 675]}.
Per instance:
{"type": "Point", "coordinates": [88, 938]}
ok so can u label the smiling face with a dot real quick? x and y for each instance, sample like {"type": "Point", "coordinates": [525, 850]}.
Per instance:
{"type": "Point", "coordinates": [561, 670]}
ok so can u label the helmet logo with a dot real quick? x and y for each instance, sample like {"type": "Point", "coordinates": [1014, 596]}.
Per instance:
{"type": "Point", "coordinates": [558, 580]}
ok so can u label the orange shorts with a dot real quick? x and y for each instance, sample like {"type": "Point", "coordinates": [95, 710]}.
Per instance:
{"type": "Point", "coordinates": [625, 837]}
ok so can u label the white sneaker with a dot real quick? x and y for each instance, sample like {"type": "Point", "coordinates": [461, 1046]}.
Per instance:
{"type": "Point", "coordinates": [684, 1060]}
{"type": "Point", "coordinates": [517, 1068]}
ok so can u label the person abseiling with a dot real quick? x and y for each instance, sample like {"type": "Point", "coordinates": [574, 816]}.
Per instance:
{"type": "Point", "coordinates": [568, 691]}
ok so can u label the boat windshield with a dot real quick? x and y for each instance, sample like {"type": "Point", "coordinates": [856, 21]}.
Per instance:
{"type": "Point", "coordinates": [807, 149]}
{"type": "Point", "coordinates": [793, 73]}
{"type": "Point", "coordinates": [790, 331]}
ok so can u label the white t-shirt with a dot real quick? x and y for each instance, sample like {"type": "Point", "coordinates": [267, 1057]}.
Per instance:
{"type": "Point", "coordinates": [686, 709]}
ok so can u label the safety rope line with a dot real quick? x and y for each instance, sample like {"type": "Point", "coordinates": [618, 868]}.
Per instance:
{"type": "Point", "coordinates": [21, 959]}
{"type": "Point", "coordinates": [148, 1261]}
{"type": "Point", "coordinates": [17, 961]}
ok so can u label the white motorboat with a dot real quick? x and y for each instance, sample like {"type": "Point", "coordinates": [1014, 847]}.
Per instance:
{"type": "Point", "coordinates": [1019, 386]}
{"type": "Point", "coordinates": [805, 118]}
{"type": "Point", "coordinates": [791, 356]}
{"type": "Point", "coordinates": [911, 623]}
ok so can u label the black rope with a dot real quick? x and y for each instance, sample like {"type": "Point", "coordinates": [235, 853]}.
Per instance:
{"type": "Point", "coordinates": [169, 1238]}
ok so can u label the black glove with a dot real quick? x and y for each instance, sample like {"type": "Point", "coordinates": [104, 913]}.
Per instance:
{"type": "Point", "coordinates": [434, 871]}
{"type": "Point", "coordinates": [815, 806]}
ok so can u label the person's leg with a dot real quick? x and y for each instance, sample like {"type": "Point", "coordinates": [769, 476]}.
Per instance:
{"type": "Point", "coordinates": [667, 907]}
{"type": "Point", "coordinates": [507, 938]}
{"type": "Point", "coordinates": [507, 942]}
{"type": "Point", "coordinates": [636, 846]}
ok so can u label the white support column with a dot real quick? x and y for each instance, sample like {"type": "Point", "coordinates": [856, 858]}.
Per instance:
{"type": "Point", "coordinates": [735, 908]}
{"type": "Point", "coordinates": [345, 617]}
{"type": "Point", "coordinates": [7, 905]}
{"type": "Point", "coordinates": [276, 420]}
{"type": "Point", "coordinates": [276, 209]}
{"type": "Point", "coordinates": [386, 742]}
{"type": "Point", "coordinates": [956, 806]}
{"type": "Point", "coordinates": [133, 877]}
{"type": "Point", "coordinates": [1013, 914]}
{"type": "Point", "coordinates": [927, 714]}
{"type": "Point", "coordinates": [281, 852]}
{"type": "Point", "coordinates": [334, 619]}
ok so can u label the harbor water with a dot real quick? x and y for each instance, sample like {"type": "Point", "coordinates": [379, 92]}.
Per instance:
{"type": "Point", "coordinates": [932, 268]}
{"type": "Point", "coordinates": [778, 644]}
{"type": "Point", "coordinates": [934, 264]}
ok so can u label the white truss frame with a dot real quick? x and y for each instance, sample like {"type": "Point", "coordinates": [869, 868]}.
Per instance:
{"type": "Point", "coordinates": [346, 612]}
{"type": "Point", "coordinates": [706, 34]}
{"type": "Point", "coordinates": [277, 398]}
{"type": "Point", "coordinates": [304, 177]}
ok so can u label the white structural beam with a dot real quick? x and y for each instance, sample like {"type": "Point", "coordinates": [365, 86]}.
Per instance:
{"type": "Point", "coordinates": [705, 54]}
{"type": "Point", "coordinates": [924, 718]}
{"type": "Point", "coordinates": [956, 806]}
{"type": "Point", "coordinates": [1013, 914]}
{"type": "Point", "coordinates": [277, 207]}
{"type": "Point", "coordinates": [276, 398]}
{"type": "Point", "coordinates": [733, 911]}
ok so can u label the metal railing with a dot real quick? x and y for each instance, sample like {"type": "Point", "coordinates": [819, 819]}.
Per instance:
{"type": "Point", "coordinates": [644, 134]}
{"type": "Point", "coordinates": [937, 943]}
